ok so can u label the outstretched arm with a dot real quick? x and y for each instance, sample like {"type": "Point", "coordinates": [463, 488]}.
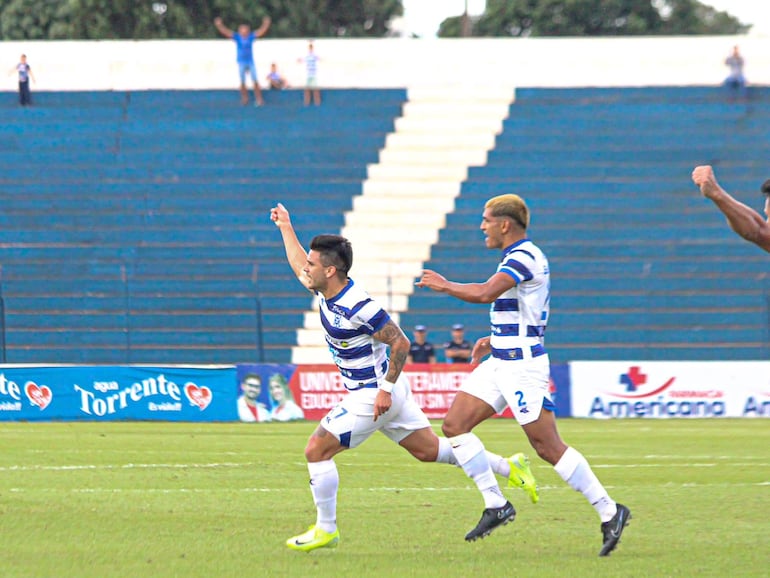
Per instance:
{"type": "Point", "coordinates": [742, 219]}
{"type": "Point", "coordinates": [485, 292]}
{"type": "Point", "coordinates": [295, 252]}
{"type": "Point", "coordinates": [223, 30]}
{"type": "Point", "coordinates": [262, 30]}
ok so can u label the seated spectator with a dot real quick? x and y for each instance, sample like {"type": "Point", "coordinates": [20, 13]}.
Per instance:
{"type": "Point", "coordinates": [275, 80]}
{"type": "Point", "coordinates": [458, 350]}
{"type": "Point", "coordinates": [734, 62]}
{"type": "Point", "coordinates": [420, 350]}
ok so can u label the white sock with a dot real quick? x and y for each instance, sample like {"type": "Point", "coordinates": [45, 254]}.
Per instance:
{"type": "Point", "coordinates": [324, 481]}
{"type": "Point", "coordinates": [470, 454]}
{"type": "Point", "coordinates": [445, 455]}
{"type": "Point", "coordinates": [574, 469]}
{"type": "Point", "coordinates": [498, 464]}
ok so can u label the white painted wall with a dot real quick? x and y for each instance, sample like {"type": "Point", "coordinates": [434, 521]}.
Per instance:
{"type": "Point", "coordinates": [172, 64]}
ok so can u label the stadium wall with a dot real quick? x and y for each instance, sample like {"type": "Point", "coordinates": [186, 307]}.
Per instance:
{"type": "Point", "coordinates": [394, 63]}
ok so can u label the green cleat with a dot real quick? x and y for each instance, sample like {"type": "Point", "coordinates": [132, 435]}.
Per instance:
{"type": "Point", "coordinates": [314, 538]}
{"type": "Point", "coordinates": [521, 476]}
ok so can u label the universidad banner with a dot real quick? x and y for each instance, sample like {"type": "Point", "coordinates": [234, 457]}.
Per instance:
{"type": "Point", "coordinates": [176, 393]}
{"type": "Point", "coordinates": [271, 392]}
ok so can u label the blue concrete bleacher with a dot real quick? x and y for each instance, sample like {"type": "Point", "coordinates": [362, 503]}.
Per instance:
{"type": "Point", "coordinates": [643, 267]}
{"type": "Point", "coordinates": [135, 224]}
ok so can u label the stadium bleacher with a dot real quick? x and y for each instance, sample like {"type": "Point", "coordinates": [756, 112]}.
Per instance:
{"type": "Point", "coordinates": [135, 225]}
{"type": "Point", "coordinates": [643, 268]}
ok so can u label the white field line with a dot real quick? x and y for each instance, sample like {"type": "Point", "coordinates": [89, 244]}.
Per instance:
{"type": "Point", "coordinates": [384, 489]}
{"type": "Point", "coordinates": [122, 467]}
{"type": "Point", "coordinates": [214, 465]}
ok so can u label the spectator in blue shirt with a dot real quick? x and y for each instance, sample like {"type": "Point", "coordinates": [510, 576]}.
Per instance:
{"type": "Point", "coordinates": [734, 62]}
{"type": "Point", "coordinates": [244, 42]}
{"type": "Point", "coordinates": [25, 74]}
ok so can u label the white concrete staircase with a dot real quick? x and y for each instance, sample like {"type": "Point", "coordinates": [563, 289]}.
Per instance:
{"type": "Point", "coordinates": [405, 200]}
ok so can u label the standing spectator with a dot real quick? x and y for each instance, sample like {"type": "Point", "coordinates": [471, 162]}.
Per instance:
{"type": "Point", "coordinates": [25, 74]}
{"type": "Point", "coordinates": [250, 409]}
{"type": "Point", "coordinates": [311, 84]}
{"type": "Point", "coordinates": [244, 41]}
{"type": "Point", "coordinates": [420, 350]}
{"type": "Point", "coordinates": [275, 80]}
{"type": "Point", "coordinates": [734, 62]}
{"type": "Point", "coordinates": [458, 350]}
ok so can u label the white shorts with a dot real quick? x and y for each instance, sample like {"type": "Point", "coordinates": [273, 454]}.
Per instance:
{"type": "Point", "coordinates": [351, 420]}
{"type": "Point", "coordinates": [520, 384]}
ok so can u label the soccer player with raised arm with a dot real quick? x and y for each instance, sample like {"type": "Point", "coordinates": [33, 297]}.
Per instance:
{"type": "Point", "coordinates": [359, 333]}
{"type": "Point", "coordinates": [517, 372]}
{"type": "Point", "coordinates": [742, 219]}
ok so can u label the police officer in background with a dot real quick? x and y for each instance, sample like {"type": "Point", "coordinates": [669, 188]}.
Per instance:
{"type": "Point", "coordinates": [458, 350]}
{"type": "Point", "coordinates": [420, 350]}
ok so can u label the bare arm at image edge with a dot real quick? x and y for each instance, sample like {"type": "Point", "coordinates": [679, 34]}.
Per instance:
{"type": "Point", "coordinates": [742, 219]}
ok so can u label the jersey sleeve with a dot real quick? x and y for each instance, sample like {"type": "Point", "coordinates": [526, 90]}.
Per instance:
{"type": "Point", "coordinates": [519, 265]}
{"type": "Point", "coordinates": [369, 317]}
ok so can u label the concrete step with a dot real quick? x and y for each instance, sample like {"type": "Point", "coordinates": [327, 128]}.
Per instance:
{"type": "Point", "coordinates": [428, 157]}
{"type": "Point", "coordinates": [398, 204]}
{"type": "Point", "coordinates": [411, 188]}
{"type": "Point", "coordinates": [441, 172]}
{"type": "Point", "coordinates": [403, 217]}
{"type": "Point", "coordinates": [445, 140]}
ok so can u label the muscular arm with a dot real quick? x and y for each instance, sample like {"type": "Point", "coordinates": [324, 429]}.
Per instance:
{"type": "Point", "coordinates": [485, 292]}
{"type": "Point", "coordinates": [392, 336]}
{"type": "Point", "coordinates": [262, 30]}
{"type": "Point", "coordinates": [295, 252]}
{"type": "Point", "coordinates": [223, 30]}
{"type": "Point", "coordinates": [742, 219]}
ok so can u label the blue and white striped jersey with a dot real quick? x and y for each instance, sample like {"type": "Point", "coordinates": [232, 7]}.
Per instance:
{"type": "Point", "coordinates": [350, 319]}
{"type": "Point", "coordinates": [519, 316]}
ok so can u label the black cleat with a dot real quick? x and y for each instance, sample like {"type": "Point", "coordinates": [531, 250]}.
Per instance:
{"type": "Point", "coordinates": [612, 530]}
{"type": "Point", "coordinates": [491, 518]}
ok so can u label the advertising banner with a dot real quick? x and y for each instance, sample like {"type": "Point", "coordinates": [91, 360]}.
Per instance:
{"type": "Point", "coordinates": [603, 389]}
{"type": "Point", "coordinates": [317, 388]}
{"type": "Point", "coordinates": [263, 393]}
{"type": "Point", "coordinates": [177, 393]}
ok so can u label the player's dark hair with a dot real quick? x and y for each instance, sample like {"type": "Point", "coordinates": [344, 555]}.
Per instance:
{"type": "Point", "coordinates": [334, 250]}
{"type": "Point", "coordinates": [766, 188]}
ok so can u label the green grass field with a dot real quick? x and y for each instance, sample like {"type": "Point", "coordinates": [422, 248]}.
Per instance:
{"type": "Point", "coordinates": [160, 500]}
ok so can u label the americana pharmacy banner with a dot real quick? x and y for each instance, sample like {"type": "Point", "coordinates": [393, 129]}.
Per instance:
{"type": "Point", "coordinates": [684, 389]}
{"type": "Point", "coordinates": [178, 393]}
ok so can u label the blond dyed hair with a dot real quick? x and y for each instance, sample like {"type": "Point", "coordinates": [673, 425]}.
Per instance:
{"type": "Point", "coordinates": [511, 206]}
